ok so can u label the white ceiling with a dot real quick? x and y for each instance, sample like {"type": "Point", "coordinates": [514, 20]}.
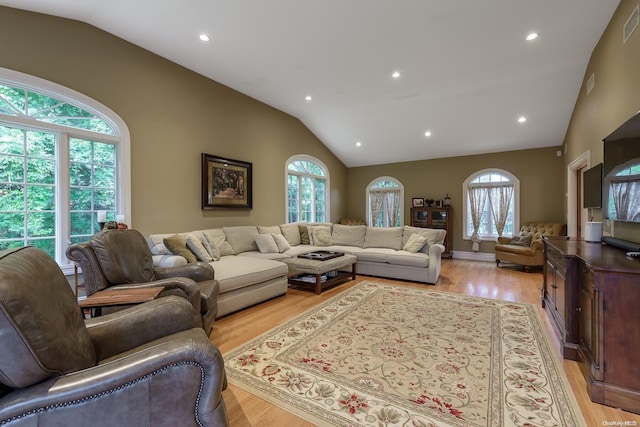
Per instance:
{"type": "Point", "coordinates": [467, 72]}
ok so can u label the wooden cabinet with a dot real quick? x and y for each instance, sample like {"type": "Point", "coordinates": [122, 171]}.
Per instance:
{"type": "Point", "coordinates": [602, 306]}
{"type": "Point", "coordinates": [434, 218]}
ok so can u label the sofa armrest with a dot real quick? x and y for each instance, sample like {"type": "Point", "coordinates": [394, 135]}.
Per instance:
{"type": "Point", "coordinates": [186, 363]}
{"type": "Point", "coordinates": [199, 272]}
{"type": "Point", "coordinates": [504, 240]}
{"type": "Point", "coordinates": [537, 245]}
{"type": "Point", "coordinates": [129, 328]}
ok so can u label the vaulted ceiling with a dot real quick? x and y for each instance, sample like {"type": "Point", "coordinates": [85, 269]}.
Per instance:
{"type": "Point", "coordinates": [466, 73]}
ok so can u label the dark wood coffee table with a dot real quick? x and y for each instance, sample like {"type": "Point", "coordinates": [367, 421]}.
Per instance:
{"type": "Point", "coordinates": [332, 268]}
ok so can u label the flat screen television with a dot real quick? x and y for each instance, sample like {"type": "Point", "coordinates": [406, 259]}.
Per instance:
{"type": "Point", "coordinates": [621, 170]}
{"type": "Point", "coordinates": [592, 187]}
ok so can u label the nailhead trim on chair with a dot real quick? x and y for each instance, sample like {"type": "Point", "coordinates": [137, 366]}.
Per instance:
{"type": "Point", "coordinates": [113, 390]}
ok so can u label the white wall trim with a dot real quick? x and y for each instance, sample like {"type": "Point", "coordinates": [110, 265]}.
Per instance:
{"type": "Point", "coordinates": [475, 256]}
{"type": "Point", "coordinates": [583, 161]}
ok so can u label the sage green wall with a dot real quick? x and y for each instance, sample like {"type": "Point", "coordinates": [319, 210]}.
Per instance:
{"type": "Point", "coordinates": [540, 172]}
{"type": "Point", "coordinates": [613, 100]}
{"type": "Point", "coordinates": [173, 116]}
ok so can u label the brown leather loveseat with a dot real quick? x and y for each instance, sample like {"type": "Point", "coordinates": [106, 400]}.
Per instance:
{"type": "Point", "coordinates": [526, 248]}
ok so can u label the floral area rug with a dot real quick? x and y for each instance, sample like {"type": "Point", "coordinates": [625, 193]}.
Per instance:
{"type": "Point", "coordinates": [384, 355]}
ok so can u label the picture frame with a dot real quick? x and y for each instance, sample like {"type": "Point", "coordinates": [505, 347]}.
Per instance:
{"type": "Point", "coordinates": [417, 202]}
{"type": "Point", "coordinates": [226, 183]}
{"type": "Point", "coordinates": [438, 203]}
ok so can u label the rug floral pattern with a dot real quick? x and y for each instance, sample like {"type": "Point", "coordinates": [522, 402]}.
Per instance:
{"type": "Point", "coordinates": [385, 355]}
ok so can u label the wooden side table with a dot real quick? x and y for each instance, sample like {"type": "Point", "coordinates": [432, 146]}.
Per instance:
{"type": "Point", "coordinates": [118, 297]}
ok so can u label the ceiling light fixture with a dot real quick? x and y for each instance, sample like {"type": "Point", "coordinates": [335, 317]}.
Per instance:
{"type": "Point", "coordinates": [522, 119]}
{"type": "Point", "coordinates": [308, 98]}
{"type": "Point", "coordinates": [532, 36]}
{"type": "Point", "coordinates": [358, 144]}
{"type": "Point", "coordinates": [204, 37]}
{"type": "Point", "coordinates": [395, 74]}
{"type": "Point", "coordinates": [427, 133]}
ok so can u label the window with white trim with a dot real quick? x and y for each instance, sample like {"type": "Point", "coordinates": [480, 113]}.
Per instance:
{"type": "Point", "coordinates": [385, 199]}
{"type": "Point", "coordinates": [495, 194]}
{"type": "Point", "coordinates": [307, 190]}
{"type": "Point", "coordinates": [63, 158]}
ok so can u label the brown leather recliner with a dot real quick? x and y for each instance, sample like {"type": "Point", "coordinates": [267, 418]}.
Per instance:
{"type": "Point", "coordinates": [121, 259]}
{"type": "Point", "coordinates": [143, 366]}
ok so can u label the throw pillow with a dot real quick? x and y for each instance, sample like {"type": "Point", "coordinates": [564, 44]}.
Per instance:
{"type": "Point", "coordinates": [195, 245]}
{"type": "Point", "coordinates": [215, 237]}
{"type": "Point", "coordinates": [177, 245]}
{"type": "Point", "coordinates": [281, 242]}
{"type": "Point", "coordinates": [521, 241]}
{"type": "Point", "coordinates": [266, 244]}
{"type": "Point", "coordinates": [304, 235]}
{"type": "Point", "coordinates": [291, 232]}
{"type": "Point", "coordinates": [320, 235]}
{"type": "Point", "coordinates": [415, 243]}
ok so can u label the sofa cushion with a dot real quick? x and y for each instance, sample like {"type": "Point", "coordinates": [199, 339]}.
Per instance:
{"type": "Point", "coordinates": [241, 238]}
{"type": "Point", "coordinates": [194, 243]}
{"type": "Point", "coordinates": [320, 235]}
{"type": "Point", "coordinates": [266, 244]}
{"type": "Point", "coordinates": [415, 243]}
{"type": "Point", "coordinates": [274, 229]}
{"type": "Point", "coordinates": [291, 232]}
{"type": "Point", "coordinates": [409, 259]}
{"type": "Point", "coordinates": [375, 254]}
{"type": "Point", "coordinates": [234, 272]}
{"type": "Point", "coordinates": [350, 235]}
{"type": "Point", "coordinates": [521, 240]}
{"type": "Point", "coordinates": [383, 237]}
{"type": "Point", "coordinates": [177, 245]}
{"type": "Point", "coordinates": [526, 251]}
{"type": "Point", "coordinates": [433, 236]}
{"type": "Point", "coordinates": [215, 242]}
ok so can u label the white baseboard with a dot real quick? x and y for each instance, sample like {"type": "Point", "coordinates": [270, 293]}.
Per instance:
{"type": "Point", "coordinates": [475, 256]}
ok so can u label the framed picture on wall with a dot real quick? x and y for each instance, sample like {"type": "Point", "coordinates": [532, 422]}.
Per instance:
{"type": "Point", "coordinates": [226, 183]}
{"type": "Point", "coordinates": [417, 202]}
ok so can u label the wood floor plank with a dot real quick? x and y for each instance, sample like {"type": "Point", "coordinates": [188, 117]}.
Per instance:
{"type": "Point", "coordinates": [475, 278]}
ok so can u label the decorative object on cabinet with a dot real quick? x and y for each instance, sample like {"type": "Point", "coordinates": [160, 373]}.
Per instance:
{"type": "Point", "coordinates": [417, 202]}
{"type": "Point", "coordinates": [438, 218]}
{"type": "Point", "coordinates": [429, 202]}
{"type": "Point", "coordinates": [591, 294]}
{"type": "Point", "coordinates": [447, 201]}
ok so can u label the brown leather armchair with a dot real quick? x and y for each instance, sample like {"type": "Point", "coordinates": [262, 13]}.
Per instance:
{"type": "Point", "coordinates": [121, 259]}
{"type": "Point", "coordinates": [142, 366]}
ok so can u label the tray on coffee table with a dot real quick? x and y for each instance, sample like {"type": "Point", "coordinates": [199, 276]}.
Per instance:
{"type": "Point", "coordinates": [321, 255]}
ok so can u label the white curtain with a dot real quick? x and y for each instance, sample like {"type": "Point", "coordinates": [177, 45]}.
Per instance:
{"type": "Point", "coordinates": [477, 199]}
{"type": "Point", "coordinates": [626, 199]}
{"type": "Point", "coordinates": [393, 207]}
{"type": "Point", "coordinates": [376, 201]}
{"type": "Point", "coordinates": [500, 200]}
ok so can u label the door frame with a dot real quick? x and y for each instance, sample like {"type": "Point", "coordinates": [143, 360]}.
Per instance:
{"type": "Point", "coordinates": [581, 162]}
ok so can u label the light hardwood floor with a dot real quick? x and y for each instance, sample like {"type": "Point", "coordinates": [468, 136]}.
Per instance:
{"type": "Point", "coordinates": [475, 278]}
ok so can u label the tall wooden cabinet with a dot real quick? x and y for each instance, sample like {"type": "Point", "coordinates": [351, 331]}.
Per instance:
{"type": "Point", "coordinates": [600, 326]}
{"type": "Point", "coordinates": [435, 218]}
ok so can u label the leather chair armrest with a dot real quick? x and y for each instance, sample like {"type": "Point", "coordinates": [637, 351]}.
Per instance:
{"type": "Point", "coordinates": [129, 328]}
{"type": "Point", "coordinates": [149, 378]}
{"type": "Point", "coordinates": [536, 245]}
{"type": "Point", "coordinates": [199, 271]}
{"type": "Point", "coordinates": [92, 275]}
{"type": "Point", "coordinates": [180, 286]}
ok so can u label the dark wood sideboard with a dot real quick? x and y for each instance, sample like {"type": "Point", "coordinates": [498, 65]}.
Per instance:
{"type": "Point", "coordinates": [591, 293]}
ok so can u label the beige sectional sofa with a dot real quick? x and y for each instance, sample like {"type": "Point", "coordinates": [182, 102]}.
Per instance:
{"type": "Point", "coordinates": [250, 261]}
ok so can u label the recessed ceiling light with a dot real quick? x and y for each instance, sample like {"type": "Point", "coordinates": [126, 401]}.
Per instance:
{"type": "Point", "coordinates": [395, 74]}
{"type": "Point", "coordinates": [358, 144]}
{"type": "Point", "coordinates": [427, 133]}
{"type": "Point", "coordinates": [204, 37]}
{"type": "Point", "coordinates": [522, 119]}
{"type": "Point", "coordinates": [532, 36]}
{"type": "Point", "coordinates": [308, 98]}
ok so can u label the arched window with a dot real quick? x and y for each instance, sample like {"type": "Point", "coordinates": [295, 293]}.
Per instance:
{"type": "Point", "coordinates": [307, 190]}
{"type": "Point", "coordinates": [491, 203]}
{"type": "Point", "coordinates": [63, 158]}
{"type": "Point", "coordinates": [385, 199]}
{"type": "Point", "coordinates": [622, 184]}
